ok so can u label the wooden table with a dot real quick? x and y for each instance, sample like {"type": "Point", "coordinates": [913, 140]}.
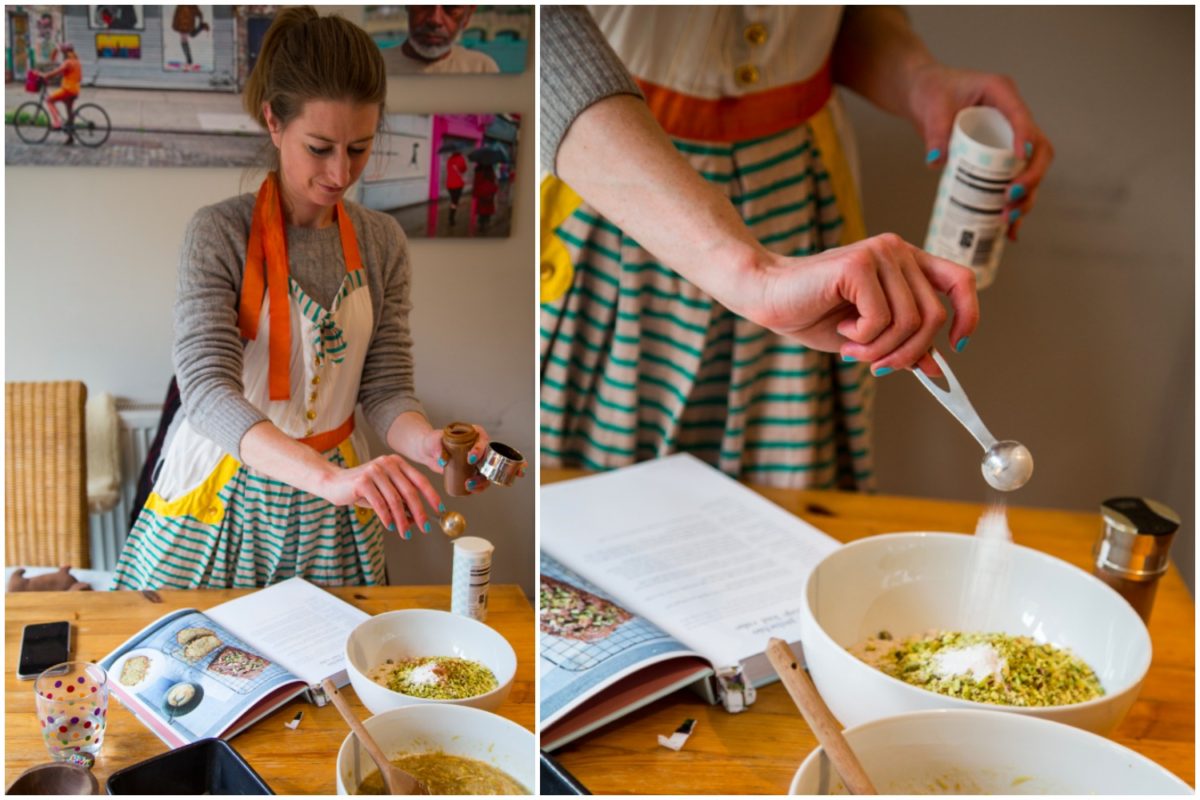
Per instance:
{"type": "Point", "coordinates": [300, 761]}
{"type": "Point", "coordinates": [758, 751]}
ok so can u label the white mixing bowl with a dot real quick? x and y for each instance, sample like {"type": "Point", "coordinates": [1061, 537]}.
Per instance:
{"type": "Point", "coordinates": [454, 730]}
{"type": "Point", "coordinates": [972, 751]}
{"type": "Point", "coordinates": [911, 583]}
{"type": "Point", "coordinates": [417, 632]}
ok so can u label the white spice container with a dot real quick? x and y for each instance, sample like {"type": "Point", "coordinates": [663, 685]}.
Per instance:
{"type": "Point", "coordinates": [470, 577]}
{"type": "Point", "coordinates": [968, 223]}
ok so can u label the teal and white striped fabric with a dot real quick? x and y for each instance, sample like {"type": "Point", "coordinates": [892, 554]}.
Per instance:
{"type": "Point", "coordinates": [639, 363]}
{"type": "Point", "coordinates": [268, 533]}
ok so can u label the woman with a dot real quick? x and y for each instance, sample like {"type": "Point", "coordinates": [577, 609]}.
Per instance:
{"type": "Point", "coordinates": [293, 308]}
{"type": "Point", "coordinates": [695, 286]}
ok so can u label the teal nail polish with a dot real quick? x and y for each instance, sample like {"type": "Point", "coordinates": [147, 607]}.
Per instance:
{"type": "Point", "coordinates": [471, 459]}
{"type": "Point", "coordinates": [879, 373]}
{"type": "Point", "coordinates": [849, 359]}
{"type": "Point", "coordinates": [933, 155]}
{"type": "Point", "coordinates": [1016, 192]}
{"type": "Point", "coordinates": [961, 344]}
{"type": "Point", "coordinates": [441, 508]}
{"type": "Point", "coordinates": [425, 527]}
{"type": "Point", "coordinates": [441, 462]}
{"type": "Point", "coordinates": [407, 534]}
{"type": "Point", "coordinates": [1029, 149]}
{"type": "Point", "coordinates": [1014, 215]}
{"type": "Point", "coordinates": [391, 526]}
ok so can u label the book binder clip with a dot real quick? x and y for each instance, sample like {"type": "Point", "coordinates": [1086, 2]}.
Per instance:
{"type": "Point", "coordinates": [734, 691]}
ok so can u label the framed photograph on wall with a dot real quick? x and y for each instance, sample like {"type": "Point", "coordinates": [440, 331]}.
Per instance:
{"type": "Point", "coordinates": [445, 175]}
{"type": "Point", "coordinates": [451, 40]}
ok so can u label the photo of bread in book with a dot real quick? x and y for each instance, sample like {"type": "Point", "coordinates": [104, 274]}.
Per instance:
{"type": "Point", "coordinates": [571, 613]}
{"type": "Point", "coordinates": [236, 663]}
{"type": "Point", "coordinates": [134, 670]}
{"type": "Point", "coordinates": [197, 643]}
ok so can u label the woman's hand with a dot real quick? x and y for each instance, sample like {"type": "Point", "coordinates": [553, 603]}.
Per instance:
{"type": "Point", "coordinates": [389, 485]}
{"type": "Point", "coordinates": [938, 93]}
{"type": "Point", "coordinates": [434, 456]}
{"type": "Point", "coordinates": [875, 301]}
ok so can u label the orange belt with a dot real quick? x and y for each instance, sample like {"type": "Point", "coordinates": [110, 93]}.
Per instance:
{"type": "Point", "coordinates": [330, 439]}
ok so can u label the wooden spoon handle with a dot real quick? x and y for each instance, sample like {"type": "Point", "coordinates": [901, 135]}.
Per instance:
{"type": "Point", "coordinates": [372, 747]}
{"type": "Point", "coordinates": [819, 717]}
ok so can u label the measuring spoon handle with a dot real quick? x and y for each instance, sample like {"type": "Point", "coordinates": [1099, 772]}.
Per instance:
{"type": "Point", "coordinates": [955, 401]}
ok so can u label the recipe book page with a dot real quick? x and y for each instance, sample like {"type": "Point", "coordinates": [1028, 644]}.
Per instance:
{"type": "Point", "coordinates": [701, 556]}
{"type": "Point", "coordinates": [297, 623]}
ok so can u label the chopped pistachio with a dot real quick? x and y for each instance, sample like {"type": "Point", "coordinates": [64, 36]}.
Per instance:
{"type": "Point", "coordinates": [1032, 674]}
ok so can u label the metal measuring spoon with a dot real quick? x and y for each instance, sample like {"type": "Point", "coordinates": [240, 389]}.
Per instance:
{"type": "Point", "coordinates": [453, 524]}
{"type": "Point", "coordinates": [1007, 465]}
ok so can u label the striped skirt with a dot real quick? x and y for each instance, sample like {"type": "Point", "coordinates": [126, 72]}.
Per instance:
{"type": "Point", "coordinates": [267, 531]}
{"type": "Point", "coordinates": [639, 363]}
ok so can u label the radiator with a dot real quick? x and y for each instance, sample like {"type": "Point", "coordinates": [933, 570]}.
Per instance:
{"type": "Point", "coordinates": [107, 531]}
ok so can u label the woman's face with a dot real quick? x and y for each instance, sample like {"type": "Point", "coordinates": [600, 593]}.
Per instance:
{"type": "Point", "coordinates": [321, 154]}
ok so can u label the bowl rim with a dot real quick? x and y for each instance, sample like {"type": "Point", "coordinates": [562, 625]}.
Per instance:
{"type": "Point", "coordinates": [1001, 717]}
{"type": "Point", "coordinates": [502, 684]}
{"type": "Point", "coordinates": [956, 702]}
{"type": "Point", "coordinates": [441, 709]}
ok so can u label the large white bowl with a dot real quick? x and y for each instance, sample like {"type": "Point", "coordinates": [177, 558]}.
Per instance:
{"type": "Point", "coordinates": [910, 583]}
{"type": "Point", "coordinates": [454, 730]}
{"type": "Point", "coordinates": [415, 632]}
{"type": "Point", "coordinates": [972, 751]}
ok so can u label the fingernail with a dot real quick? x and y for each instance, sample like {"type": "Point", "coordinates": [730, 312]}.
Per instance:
{"type": "Point", "coordinates": [961, 344]}
{"type": "Point", "coordinates": [933, 155]}
{"type": "Point", "coordinates": [1016, 192]}
{"type": "Point", "coordinates": [441, 462]}
{"type": "Point", "coordinates": [1014, 215]}
{"type": "Point", "coordinates": [849, 359]}
{"type": "Point", "coordinates": [1029, 149]}
{"type": "Point", "coordinates": [391, 526]}
{"type": "Point", "coordinates": [471, 459]}
{"type": "Point", "coordinates": [407, 534]}
{"type": "Point", "coordinates": [425, 527]}
{"type": "Point", "coordinates": [470, 484]}
{"type": "Point", "coordinates": [879, 373]}
{"type": "Point", "coordinates": [441, 508]}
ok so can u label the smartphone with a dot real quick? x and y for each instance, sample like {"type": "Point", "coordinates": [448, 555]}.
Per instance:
{"type": "Point", "coordinates": [42, 646]}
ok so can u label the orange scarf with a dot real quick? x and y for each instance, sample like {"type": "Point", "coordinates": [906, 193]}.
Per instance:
{"type": "Point", "coordinates": [268, 247]}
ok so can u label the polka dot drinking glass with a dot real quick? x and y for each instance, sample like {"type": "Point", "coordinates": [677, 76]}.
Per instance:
{"type": "Point", "coordinates": [72, 709]}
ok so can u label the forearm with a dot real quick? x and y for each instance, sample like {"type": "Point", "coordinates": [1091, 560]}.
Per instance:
{"type": "Point", "coordinates": [618, 158]}
{"type": "Point", "coordinates": [270, 451]}
{"type": "Point", "coordinates": [877, 55]}
{"type": "Point", "coordinates": [406, 434]}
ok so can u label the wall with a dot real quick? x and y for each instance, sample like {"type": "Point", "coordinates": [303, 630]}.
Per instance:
{"type": "Point", "coordinates": [1085, 351]}
{"type": "Point", "coordinates": [90, 263]}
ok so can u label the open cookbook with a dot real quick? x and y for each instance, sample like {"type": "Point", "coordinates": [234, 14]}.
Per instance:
{"type": "Point", "coordinates": [658, 576]}
{"type": "Point", "coordinates": [192, 675]}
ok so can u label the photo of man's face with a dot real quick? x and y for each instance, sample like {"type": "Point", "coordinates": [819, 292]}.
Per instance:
{"type": "Point", "coordinates": [432, 30]}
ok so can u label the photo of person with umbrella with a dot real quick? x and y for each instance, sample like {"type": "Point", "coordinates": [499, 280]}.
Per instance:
{"type": "Point", "coordinates": [485, 186]}
{"type": "Point", "coordinates": [456, 171]}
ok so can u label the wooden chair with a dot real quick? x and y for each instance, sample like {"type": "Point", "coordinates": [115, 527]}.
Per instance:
{"type": "Point", "coordinates": [45, 475]}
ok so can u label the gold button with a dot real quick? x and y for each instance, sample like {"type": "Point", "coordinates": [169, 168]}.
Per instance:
{"type": "Point", "coordinates": [747, 73]}
{"type": "Point", "coordinates": [756, 33]}
{"type": "Point", "coordinates": [308, 432]}
{"type": "Point", "coordinates": [316, 379]}
{"type": "Point", "coordinates": [311, 414]}
{"type": "Point", "coordinates": [547, 270]}
{"type": "Point", "coordinates": [313, 397]}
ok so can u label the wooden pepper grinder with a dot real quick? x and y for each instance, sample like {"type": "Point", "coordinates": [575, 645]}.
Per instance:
{"type": "Point", "coordinates": [457, 439]}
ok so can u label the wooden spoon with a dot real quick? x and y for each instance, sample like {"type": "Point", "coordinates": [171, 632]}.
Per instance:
{"type": "Point", "coordinates": [395, 780]}
{"type": "Point", "coordinates": [819, 717]}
